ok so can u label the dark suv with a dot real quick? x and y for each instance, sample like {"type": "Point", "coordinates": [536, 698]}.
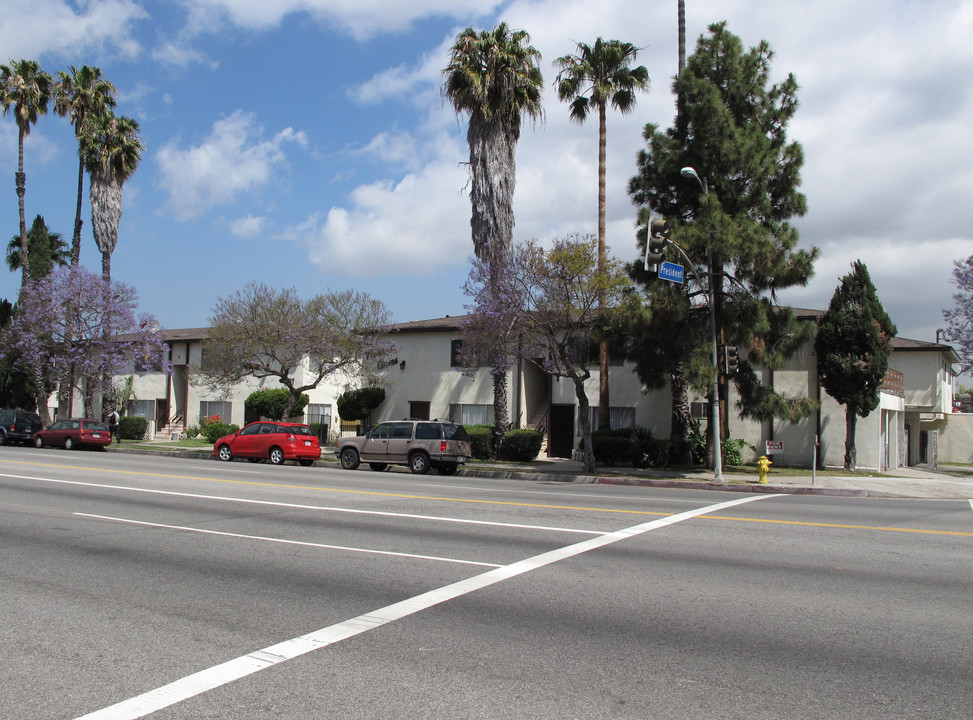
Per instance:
{"type": "Point", "coordinates": [18, 426]}
{"type": "Point", "coordinates": [419, 444]}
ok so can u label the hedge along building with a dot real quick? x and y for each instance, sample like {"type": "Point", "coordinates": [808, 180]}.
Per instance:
{"type": "Point", "coordinates": [427, 380]}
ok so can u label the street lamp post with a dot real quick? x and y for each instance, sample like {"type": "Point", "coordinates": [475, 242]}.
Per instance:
{"type": "Point", "coordinates": [688, 172]}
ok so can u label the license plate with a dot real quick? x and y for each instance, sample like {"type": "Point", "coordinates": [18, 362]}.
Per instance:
{"type": "Point", "coordinates": [307, 443]}
{"type": "Point", "coordinates": [97, 435]}
{"type": "Point", "coordinates": [461, 459]}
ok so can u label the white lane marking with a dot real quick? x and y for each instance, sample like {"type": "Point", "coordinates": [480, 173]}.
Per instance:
{"type": "Point", "coordinates": [218, 675]}
{"type": "Point", "coordinates": [286, 542]}
{"type": "Point", "coordinates": [971, 504]}
{"type": "Point", "coordinates": [322, 508]}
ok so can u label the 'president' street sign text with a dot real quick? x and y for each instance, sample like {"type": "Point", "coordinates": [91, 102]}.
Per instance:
{"type": "Point", "coordinates": [671, 272]}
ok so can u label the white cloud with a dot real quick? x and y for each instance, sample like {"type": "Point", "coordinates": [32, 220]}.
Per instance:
{"type": "Point", "coordinates": [361, 19]}
{"type": "Point", "coordinates": [41, 27]}
{"type": "Point", "coordinates": [231, 161]}
{"type": "Point", "coordinates": [415, 225]}
{"type": "Point", "coordinates": [249, 226]}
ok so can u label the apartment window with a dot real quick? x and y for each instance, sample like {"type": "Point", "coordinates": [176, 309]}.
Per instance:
{"type": "Point", "coordinates": [469, 414]}
{"type": "Point", "coordinates": [141, 408]}
{"type": "Point", "coordinates": [619, 417]}
{"type": "Point", "coordinates": [211, 408]}
{"type": "Point", "coordinates": [318, 413]}
{"type": "Point", "coordinates": [457, 359]}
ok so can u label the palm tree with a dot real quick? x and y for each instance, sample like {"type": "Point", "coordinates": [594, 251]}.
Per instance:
{"type": "Point", "coordinates": [82, 94]}
{"type": "Point", "coordinates": [26, 88]}
{"type": "Point", "coordinates": [112, 150]}
{"type": "Point", "coordinates": [595, 76]}
{"type": "Point", "coordinates": [495, 77]}
{"type": "Point", "coordinates": [45, 249]}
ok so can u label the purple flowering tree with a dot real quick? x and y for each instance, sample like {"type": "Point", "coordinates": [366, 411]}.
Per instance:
{"type": "Point", "coordinates": [546, 308]}
{"type": "Point", "coordinates": [77, 331]}
{"type": "Point", "coordinates": [959, 318]}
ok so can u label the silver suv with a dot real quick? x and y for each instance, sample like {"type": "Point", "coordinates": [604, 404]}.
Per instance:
{"type": "Point", "coordinates": [419, 444]}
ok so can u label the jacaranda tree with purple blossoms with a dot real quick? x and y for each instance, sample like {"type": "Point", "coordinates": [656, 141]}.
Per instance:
{"type": "Point", "coordinates": [77, 330]}
{"type": "Point", "coordinates": [959, 318]}
{"type": "Point", "coordinates": [548, 299]}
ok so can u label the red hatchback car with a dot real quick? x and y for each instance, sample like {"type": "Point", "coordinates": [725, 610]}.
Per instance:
{"type": "Point", "coordinates": [74, 433]}
{"type": "Point", "coordinates": [274, 441]}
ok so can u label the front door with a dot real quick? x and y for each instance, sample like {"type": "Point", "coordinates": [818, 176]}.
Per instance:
{"type": "Point", "coordinates": [161, 413]}
{"type": "Point", "coordinates": [562, 431]}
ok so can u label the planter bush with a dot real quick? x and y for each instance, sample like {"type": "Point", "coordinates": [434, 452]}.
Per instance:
{"type": "Point", "coordinates": [521, 445]}
{"type": "Point", "coordinates": [612, 446]}
{"type": "Point", "coordinates": [481, 438]}
{"type": "Point", "coordinates": [214, 430]}
{"type": "Point", "coordinates": [132, 427]}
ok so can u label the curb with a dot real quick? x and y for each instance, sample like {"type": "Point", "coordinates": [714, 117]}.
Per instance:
{"type": "Point", "coordinates": [567, 478]}
{"type": "Point", "coordinates": [734, 487]}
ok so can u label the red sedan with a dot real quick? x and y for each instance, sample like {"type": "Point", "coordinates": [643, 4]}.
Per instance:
{"type": "Point", "coordinates": [74, 433]}
{"type": "Point", "coordinates": [274, 441]}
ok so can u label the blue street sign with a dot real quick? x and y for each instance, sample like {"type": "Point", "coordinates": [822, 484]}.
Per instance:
{"type": "Point", "coordinates": [671, 272]}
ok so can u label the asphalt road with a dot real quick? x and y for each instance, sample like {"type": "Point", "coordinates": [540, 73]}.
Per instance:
{"type": "Point", "coordinates": [136, 586]}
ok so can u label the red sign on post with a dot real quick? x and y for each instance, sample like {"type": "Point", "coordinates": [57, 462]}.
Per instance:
{"type": "Point", "coordinates": [775, 447]}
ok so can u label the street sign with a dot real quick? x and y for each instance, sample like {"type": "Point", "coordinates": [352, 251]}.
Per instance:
{"type": "Point", "coordinates": [775, 447]}
{"type": "Point", "coordinates": [672, 272]}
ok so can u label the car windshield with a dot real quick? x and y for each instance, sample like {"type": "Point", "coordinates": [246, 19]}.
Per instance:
{"type": "Point", "coordinates": [95, 426]}
{"type": "Point", "coordinates": [455, 432]}
{"type": "Point", "coordinates": [300, 430]}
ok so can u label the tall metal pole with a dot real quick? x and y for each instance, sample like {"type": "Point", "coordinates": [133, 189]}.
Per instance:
{"type": "Point", "coordinates": [714, 414]}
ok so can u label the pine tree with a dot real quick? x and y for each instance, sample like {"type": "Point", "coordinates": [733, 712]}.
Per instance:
{"type": "Point", "coordinates": [731, 128]}
{"type": "Point", "coordinates": [853, 344]}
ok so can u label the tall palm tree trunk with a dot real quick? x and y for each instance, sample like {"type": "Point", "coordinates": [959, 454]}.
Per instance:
{"type": "Point", "coordinates": [78, 222]}
{"type": "Point", "coordinates": [604, 401]}
{"type": "Point", "coordinates": [21, 179]}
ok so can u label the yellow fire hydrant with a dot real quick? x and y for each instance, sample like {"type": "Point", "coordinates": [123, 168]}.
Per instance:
{"type": "Point", "coordinates": [763, 466]}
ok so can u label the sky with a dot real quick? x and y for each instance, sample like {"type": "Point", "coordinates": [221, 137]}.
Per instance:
{"type": "Point", "coordinates": [306, 143]}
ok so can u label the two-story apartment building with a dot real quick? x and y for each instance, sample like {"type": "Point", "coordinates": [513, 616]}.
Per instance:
{"type": "Point", "coordinates": [427, 381]}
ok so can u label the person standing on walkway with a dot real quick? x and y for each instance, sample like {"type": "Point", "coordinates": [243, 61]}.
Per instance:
{"type": "Point", "coordinates": [113, 419]}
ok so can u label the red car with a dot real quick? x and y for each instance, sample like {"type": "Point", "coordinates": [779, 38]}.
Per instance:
{"type": "Point", "coordinates": [74, 433]}
{"type": "Point", "coordinates": [274, 441]}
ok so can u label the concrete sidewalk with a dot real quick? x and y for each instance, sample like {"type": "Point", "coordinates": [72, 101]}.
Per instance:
{"type": "Point", "coordinates": [912, 482]}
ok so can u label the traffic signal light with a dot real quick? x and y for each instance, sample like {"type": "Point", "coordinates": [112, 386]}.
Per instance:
{"type": "Point", "coordinates": [731, 359]}
{"type": "Point", "coordinates": [657, 240]}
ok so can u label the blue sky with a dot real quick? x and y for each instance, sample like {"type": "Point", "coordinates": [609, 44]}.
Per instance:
{"type": "Point", "coordinates": [305, 143]}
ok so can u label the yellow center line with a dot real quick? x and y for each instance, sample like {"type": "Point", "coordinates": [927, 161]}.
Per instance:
{"type": "Point", "coordinates": [473, 501]}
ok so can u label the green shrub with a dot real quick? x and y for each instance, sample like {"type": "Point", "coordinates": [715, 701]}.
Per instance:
{"type": "Point", "coordinates": [481, 439]}
{"type": "Point", "coordinates": [132, 427]}
{"type": "Point", "coordinates": [521, 445]}
{"type": "Point", "coordinates": [612, 446]}
{"type": "Point", "coordinates": [357, 404]}
{"type": "Point", "coordinates": [216, 429]}
{"type": "Point", "coordinates": [733, 450]}
{"type": "Point", "coordinates": [270, 403]}
{"type": "Point", "coordinates": [651, 452]}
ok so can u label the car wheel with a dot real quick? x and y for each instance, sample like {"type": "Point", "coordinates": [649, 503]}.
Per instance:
{"type": "Point", "coordinates": [224, 453]}
{"type": "Point", "coordinates": [349, 459]}
{"type": "Point", "coordinates": [419, 463]}
{"type": "Point", "coordinates": [68, 444]}
{"type": "Point", "coordinates": [378, 467]}
{"type": "Point", "coordinates": [3, 438]}
{"type": "Point", "coordinates": [447, 468]}
{"type": "Point", "coordinates": [276, 456]}
{"type": "Point", "coordinates": [39, 441]}
{"type": "Point", "coordinates": [306, 463]}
